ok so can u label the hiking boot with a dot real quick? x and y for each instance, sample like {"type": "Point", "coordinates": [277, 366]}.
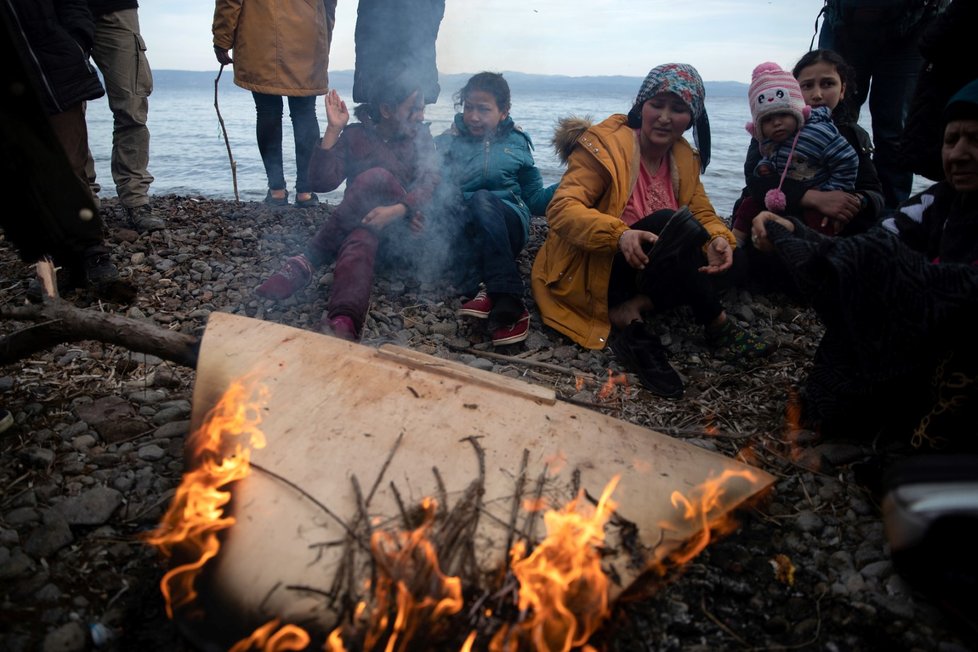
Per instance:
{"type": "Point", "coordinates": [512, 333]}
{"type": "Point", "coordinates": [99, 268]}
{"type": "Point", "coordinates": [102, 276]}
{"type": "Point", "coordinates": [294, 275]}
{"type": "Point", "coordinates": [143, 219]}
{"type": "Point", "coordinates": [478, 307]}
{"type": "Point", "coordinates": [340, 326]}
{"type": "Point", "coordinates": [642, 353]}
{"type": "Point", "coordinates": [312, 202]}
{"type": "Point", "coordinates": [736, 344]}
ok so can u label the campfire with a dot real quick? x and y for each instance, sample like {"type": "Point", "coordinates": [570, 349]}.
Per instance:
{"type": "Point", "coordinates": [274, 543]}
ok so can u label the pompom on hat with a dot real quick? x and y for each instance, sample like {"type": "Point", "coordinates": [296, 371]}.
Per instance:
{"type": "Point", "coordinates": [773, 90]}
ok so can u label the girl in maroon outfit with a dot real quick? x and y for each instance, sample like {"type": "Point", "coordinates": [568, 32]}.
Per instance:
{"type": "Point", "coordinates": [388, 160]}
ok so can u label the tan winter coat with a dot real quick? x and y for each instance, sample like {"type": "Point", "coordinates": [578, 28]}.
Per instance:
{"type": "Point", "coordinates": [279, 47]}
{"type": "Point", "coordinates": [571, 270]}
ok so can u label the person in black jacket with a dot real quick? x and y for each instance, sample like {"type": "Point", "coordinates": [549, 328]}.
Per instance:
{"type": "Point", "coordinates": [396, 37]}
{"type": "Point", "coordinates": [879, 40]}
{"type": "Point", "coordinates": [44, 141]}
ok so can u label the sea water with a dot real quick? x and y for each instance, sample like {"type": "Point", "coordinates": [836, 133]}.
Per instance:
{"type": "Point", "coordinates": [188, 154]}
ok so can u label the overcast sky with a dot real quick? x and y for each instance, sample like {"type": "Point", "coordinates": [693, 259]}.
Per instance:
{"type": "Point", "coordinates": [724, 39]}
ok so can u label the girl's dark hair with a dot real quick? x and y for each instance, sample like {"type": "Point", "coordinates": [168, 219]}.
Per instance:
{"type": "Point", "coordinates": [391, 92]}
{"type": "Point", "coordinates": [487, 82]}
{"type": "Point", "coordinates": [843, 112]}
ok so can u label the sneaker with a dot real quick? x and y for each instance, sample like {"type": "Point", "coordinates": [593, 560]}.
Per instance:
{"type": "Point", "coordinates": [277, 201]}
{"type": "Point", "coordinates": [340, 326]}
{"type": "Point", "coordinates": [6, 420]}
{"type": "Point", "coordinates": [312, 202]}
{"type": "Point", "coordinates": [143, 219]}
{"type": "Point", "coordinates": [735, 343]}
{"type": "Point", "coordinates": [294, 275]}
{"type": "Point", "coordinates": [642, 353]}
{"type": "Point", "coordinates": [515, 332]}
{"type": "Point", "coordinates": [478, 307]}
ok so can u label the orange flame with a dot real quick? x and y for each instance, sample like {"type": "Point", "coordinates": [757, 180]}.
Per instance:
{"type": "Point", "coordinates": [267, 639]}
{"type": "Point", "coordinates": [220, 454]}
{"type": "Point", "coordinates": [610, 388]}
{"type": "Point", "coordinates": [706, 510]}
{"type": "Point", "coordinates": [579, 383]}
{"type": "Point", "coordinates": [563, 590]}
{"type": "Point", "coordinates": [410, 591]}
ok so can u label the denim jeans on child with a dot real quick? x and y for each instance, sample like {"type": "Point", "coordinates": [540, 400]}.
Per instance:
{"type": "Point", "coordinates": [492, 239]}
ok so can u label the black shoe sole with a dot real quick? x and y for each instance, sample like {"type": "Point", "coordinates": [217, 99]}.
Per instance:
{"type": "Point", "coordinates": [624, 351]}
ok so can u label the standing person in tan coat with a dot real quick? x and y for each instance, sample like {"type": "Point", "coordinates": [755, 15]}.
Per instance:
{"type": "Point", "coordinates": [280, 49]}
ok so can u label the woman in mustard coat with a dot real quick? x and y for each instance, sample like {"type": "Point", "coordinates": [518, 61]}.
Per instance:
{"type": "Point", "coordinates": [632, 231]}
{"type": "Point", "coordinates": [280, 49]}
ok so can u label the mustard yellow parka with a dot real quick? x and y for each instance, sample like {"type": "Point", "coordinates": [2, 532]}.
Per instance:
{"type": "Point", "coordinates": [279, 47]}
{"type": "Point", "coordinates": [571, 270]}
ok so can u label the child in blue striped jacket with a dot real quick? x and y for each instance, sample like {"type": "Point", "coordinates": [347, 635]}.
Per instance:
{"type": "Point", "coordinates": [796, 142]}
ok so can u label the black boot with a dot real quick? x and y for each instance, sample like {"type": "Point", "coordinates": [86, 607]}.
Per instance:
{"type": "Point", "coordinates": [642, 353]}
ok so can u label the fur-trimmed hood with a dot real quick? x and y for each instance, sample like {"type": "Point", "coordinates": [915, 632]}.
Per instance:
{"type": "Point", "coordinates": [568, 131]}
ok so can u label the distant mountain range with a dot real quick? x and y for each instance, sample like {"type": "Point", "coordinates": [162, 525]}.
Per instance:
{"type": "Point", "coordinates": [518, 81]}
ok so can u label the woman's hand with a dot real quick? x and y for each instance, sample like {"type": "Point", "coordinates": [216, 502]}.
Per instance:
{"type": "Point", "coordinates": [759, 229]}
{"type": "Point", "coordinates": [381, 216]}
{"type": "Point", "coordinates": [630, 245]}
{"type": "Point", "coordinates": [719, 256]}
{"type": "Point", "coordinates": [837, 206]}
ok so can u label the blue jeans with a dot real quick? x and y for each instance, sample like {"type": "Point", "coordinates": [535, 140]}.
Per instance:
{"type": "Point", "coordinates": [493, 237]}
{"type": "Point", "coordinates": [305, 128]}
{"type": "Point", "coordinates": [886, 70]}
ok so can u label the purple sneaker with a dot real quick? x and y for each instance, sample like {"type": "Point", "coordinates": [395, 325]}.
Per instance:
{"type": "Point", "coordinates": [294, 275]}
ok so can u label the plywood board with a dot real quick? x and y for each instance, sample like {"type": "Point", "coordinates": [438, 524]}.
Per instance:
{"type": "Point", "coordinates": [335, 410]}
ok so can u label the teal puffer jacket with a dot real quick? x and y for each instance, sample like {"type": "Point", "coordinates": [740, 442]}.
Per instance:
{"type": "Point", "coordinates": [501, 163]}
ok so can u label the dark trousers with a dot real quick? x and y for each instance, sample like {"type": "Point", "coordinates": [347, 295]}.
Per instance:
{"type": "Point", "coordinates": [886, 70]}
{"type": "Point", "coordinates": [353, 246]}
{"type": "Point", "coordinates": [305, 128]}
{"type": "Point", "coordinates": [681, 285]}
{"type": "Point", "coordinates": [492, 238]}
{"type": "Point", "coordinates": [74, 235]}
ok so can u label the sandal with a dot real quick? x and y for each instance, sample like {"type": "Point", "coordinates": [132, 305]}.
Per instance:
{"type": "Point", "coordinates": [277, 201]}
{"type": "Point", "coordinates": [737, 343]}
{"type": "Point", "coordinates": [310, 202]}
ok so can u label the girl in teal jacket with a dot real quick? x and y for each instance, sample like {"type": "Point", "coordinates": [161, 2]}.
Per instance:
{"type": "Point", "coordinates": [490, 160]}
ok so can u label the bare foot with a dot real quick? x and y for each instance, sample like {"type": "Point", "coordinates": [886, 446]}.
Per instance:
{"type": "Point", "coordinates": [628, 311]}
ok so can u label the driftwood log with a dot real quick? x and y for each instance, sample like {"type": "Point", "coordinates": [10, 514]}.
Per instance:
{"type": "Point", "coordinates": [55, 321]}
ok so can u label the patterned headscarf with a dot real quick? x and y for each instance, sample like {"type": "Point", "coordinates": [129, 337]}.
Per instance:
{"type": "Point", "coordinates": [679, 78]}
{"type": "Point", "coordinates": [683, 80]}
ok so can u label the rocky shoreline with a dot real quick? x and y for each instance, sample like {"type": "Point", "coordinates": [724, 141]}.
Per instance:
{"type": "Point", "coordinates": [97, 450]}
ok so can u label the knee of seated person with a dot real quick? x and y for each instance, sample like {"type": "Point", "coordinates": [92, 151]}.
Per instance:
{"type": "Point", "coordinates": [482, 201]}
{"type": "Point", "coordinates": [375, 179]}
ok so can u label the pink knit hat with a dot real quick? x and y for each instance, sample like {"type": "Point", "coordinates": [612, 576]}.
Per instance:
{"type": "Point", "coordinates": [773, 90]}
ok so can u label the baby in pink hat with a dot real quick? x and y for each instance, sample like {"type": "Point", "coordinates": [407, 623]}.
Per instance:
{"type": "Point", "coordinates": [796, 141]}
